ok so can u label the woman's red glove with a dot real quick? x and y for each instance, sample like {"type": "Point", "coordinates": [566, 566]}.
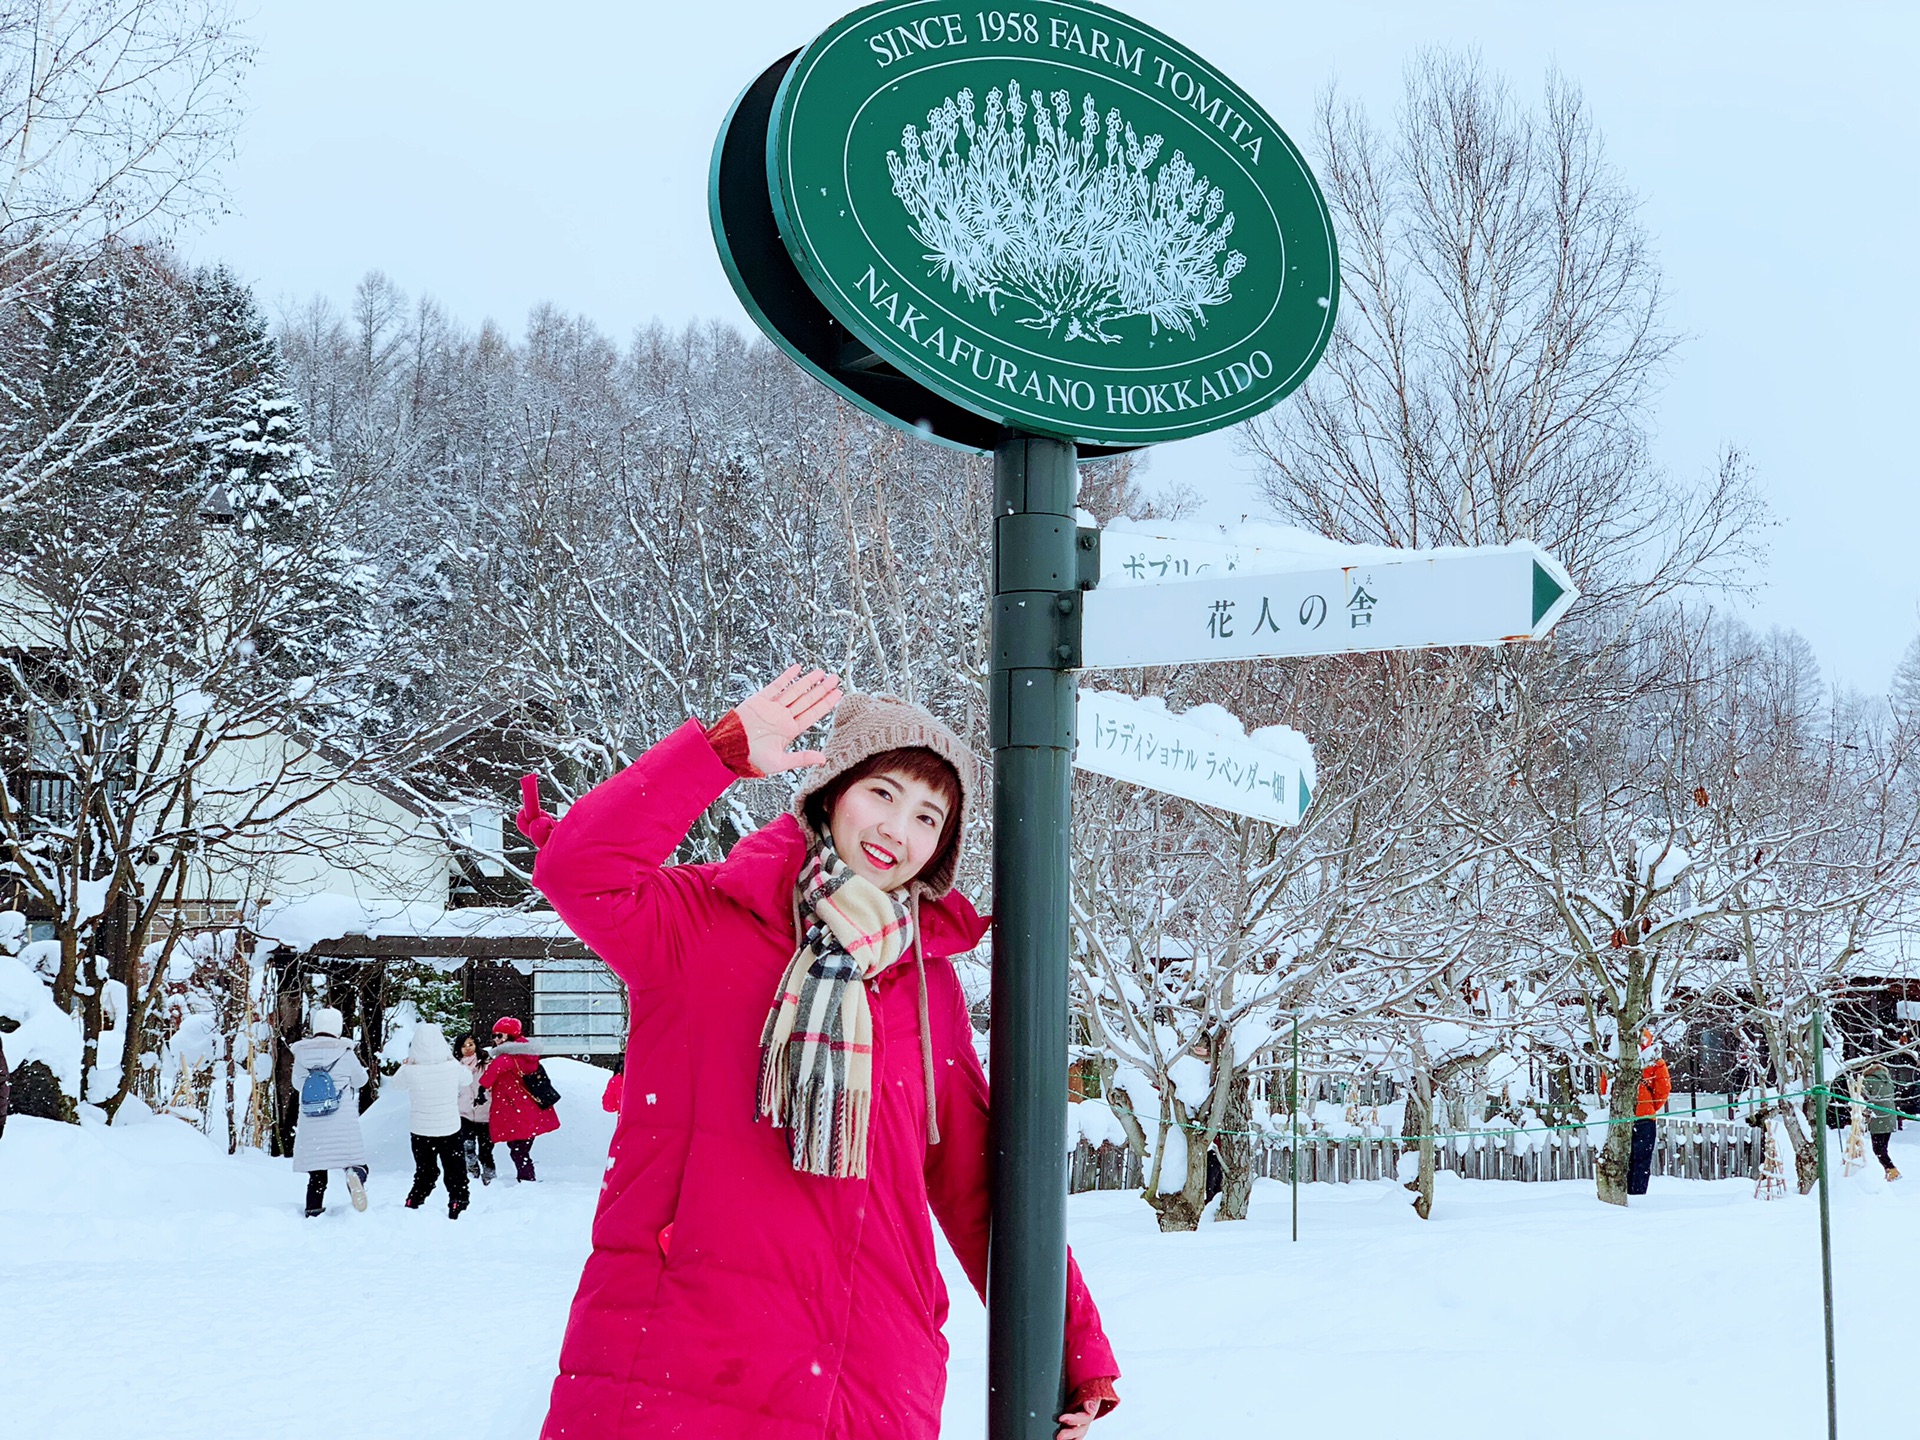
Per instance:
{"type": "Point", "coordinates": [532, 821]}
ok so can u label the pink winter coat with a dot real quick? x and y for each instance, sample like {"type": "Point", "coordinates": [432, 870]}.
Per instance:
{"type": "Point", "coordinates": [787, 1306]}
{"type": "Point", "coordinates": [514, 1115]}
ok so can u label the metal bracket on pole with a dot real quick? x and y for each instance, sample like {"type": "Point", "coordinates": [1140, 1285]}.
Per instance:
{"type": "Point", "coordinates": [1086, 549]}
{"type": "Point", "coordinates": [1033, 630]}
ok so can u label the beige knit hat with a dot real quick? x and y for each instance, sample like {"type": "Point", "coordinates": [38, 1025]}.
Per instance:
{"type": "Point", "coordinates": [866, 725]}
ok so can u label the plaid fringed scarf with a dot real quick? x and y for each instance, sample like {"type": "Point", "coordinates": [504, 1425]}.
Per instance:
{"type": "Point", "coordinates": [816, 1049]}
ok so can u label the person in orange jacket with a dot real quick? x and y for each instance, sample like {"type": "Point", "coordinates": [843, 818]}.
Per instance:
{"type": "Point", "coordinates": [1656, 1085]}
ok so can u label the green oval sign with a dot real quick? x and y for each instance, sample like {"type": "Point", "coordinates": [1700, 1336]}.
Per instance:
{"type": "Point", "coordinates": [1053, 216]}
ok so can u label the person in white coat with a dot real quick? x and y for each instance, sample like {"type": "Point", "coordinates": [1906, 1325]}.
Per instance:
{"type": "Point", "coordinates": [436, 1085]}
{"type": "Point", "coordinates": [327, 1077]}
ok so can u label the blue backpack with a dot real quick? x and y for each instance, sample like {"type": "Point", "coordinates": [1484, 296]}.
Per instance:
{"type": "Point", "coordinates": [318, 1094]}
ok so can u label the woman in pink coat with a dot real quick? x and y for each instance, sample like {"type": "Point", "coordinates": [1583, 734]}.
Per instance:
{"type": "Point", "coordinates": [801, 1099]}
{"type": "Point", "coordinates": [514, 1120]}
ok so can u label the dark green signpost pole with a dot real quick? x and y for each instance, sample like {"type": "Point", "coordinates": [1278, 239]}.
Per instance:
{"type": "Point", "coordinates": [1826, 1229]}
{"type": "Point", "coordinates": [1035, 644]}
{"type": "Point", "coordinates": [1055, 233]}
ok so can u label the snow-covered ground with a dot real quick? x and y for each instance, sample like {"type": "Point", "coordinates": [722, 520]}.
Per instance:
{"type": "Point", "coordinates": [151, 1285]}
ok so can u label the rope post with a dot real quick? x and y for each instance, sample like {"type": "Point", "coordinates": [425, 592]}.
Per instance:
{"type": "Point", "coordinates": [1293, 1155]}
{"type": "Point", "coordinates": [1826, 1230]}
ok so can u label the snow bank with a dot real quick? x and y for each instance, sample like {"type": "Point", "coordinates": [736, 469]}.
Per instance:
{"type": "Point", "coordinates": [577, 1151]}
{"type": "Point", "coordinates": [47, 1033]}
{"type": "Point", "coordinates": [1094, 1122]}
{"type": "Point", "coordinates": [155, 1286]}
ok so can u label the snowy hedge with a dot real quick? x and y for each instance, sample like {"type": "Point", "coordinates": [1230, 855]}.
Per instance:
{"type": "Point", "coordinates": [46, 1033]}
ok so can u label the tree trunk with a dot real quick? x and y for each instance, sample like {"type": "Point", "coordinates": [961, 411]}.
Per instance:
{"type": "Point", "coordinates": [92, 1019]}
{"type": "Point", "coordinates": [67, 979]}
{"type": "Point", "coordinates": [139, 1010]}
{"type": "Point", "coordinates": [1787, 1061]}
{"type": "Point", "coordinates": [1806, 1155]}
{"type": "Point", "coordinates": [1419, 1124]}
{"type": "Point", "coordinates": [1125, 1111]}
{"type": "Point", "coordinates": [1179, 1209]}
{"type": "Point", "coordinates": [370, 1015]}
{"type": "Point", "coordinates": [1616, 1156]}
{"type": "Point", "coordinates": [1610, 1174]}
{"type": "Point", "coordinates": [1235, 1149]}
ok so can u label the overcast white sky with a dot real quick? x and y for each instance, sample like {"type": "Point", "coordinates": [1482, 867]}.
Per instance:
{"type": "Point", "coordinates": [498, 154]}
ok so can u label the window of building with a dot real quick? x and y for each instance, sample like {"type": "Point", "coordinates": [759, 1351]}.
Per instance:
{"type": "Point", "coordinates": [579, 1007]}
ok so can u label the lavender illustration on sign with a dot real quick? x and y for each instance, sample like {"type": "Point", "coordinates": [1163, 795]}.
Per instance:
{"type": "Point", "coordinates": [1083, 232]}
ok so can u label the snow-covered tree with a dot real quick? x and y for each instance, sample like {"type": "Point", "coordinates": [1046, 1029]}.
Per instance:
{"type": "Point", "coordinates": [258, 466]}
{"type": "Point", "coordinates": [145, 643]}
{"type": "Point", "coordinates": [1199, 935]}
{"type": "Point", "coordinates": [1814, 793]}
{"type": "Point", "coordinates": [1904, 694]}
{"type": "Point", "coordinates": [114, 117]}
{"type": "Point", "coordinates": [1499, 348]}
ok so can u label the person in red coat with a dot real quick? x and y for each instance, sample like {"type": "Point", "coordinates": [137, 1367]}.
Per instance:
{"type": "Point", "coordinates": [802, 1099]}
{"type": "Point", "coordinates": [514, 1120]}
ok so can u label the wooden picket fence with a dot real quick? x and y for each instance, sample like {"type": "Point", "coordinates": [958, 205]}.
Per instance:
{"type": "Point", "coordinates": [1684, 1149]}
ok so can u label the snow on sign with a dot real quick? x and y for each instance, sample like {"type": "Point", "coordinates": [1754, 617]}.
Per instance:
{"type": "Point", "coordinates": [1052, 216]}
{"type": "Point", "coordinates": [1201, 755]}
{"type": "Point", "coordinates": [1159, 552]}
{"type": "Point", "coordinates": [1491, 595]}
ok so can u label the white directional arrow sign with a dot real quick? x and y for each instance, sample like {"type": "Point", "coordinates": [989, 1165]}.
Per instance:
{"type": "Point", "coordinates": [1417, 599]}
{"type": "Point", "coordinates": [1201, 755]}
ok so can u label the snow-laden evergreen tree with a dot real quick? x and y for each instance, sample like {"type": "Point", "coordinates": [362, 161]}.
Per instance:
{"type": "Point", "coordinates": [256, 456]}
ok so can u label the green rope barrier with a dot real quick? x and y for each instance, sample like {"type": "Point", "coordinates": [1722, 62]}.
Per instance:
{"type": "Point", "coordinates": [1840, 1097]}
{"type": "Point", "coordinates": [1605, 1122]}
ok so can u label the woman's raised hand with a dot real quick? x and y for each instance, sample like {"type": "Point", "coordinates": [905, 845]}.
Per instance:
{"type": "Point", "coordinates": [784, 711]}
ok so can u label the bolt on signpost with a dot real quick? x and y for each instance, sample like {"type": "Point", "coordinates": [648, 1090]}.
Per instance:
{"type": "Point", "coordinates": [1048, 232]}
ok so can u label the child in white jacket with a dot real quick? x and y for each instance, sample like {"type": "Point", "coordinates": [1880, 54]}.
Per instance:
{"type": "Point", "coordinates": [436, 1085]}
